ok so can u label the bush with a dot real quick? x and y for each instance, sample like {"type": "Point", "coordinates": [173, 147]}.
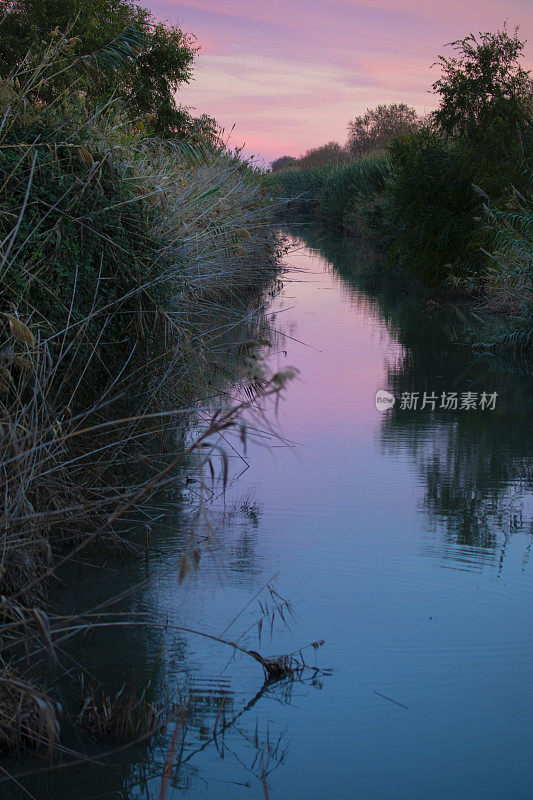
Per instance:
{"type": "Point", "coordinates": [283, 162]}
{"type": "Point", "coordinates": [508, 277]}
{"type": "Point", "coordinates": [484, 89]}
{"type": "Point", "coordinates": [331, 154]}
{"type": "Point", "coordinates": [80, 237]}
{"type": "Point", "coordinates": [102, 35]}
{"type": "Point", "coordinates": [301, 189]}
{"type": "Point", "coordinates": [433, 210]}
{"type": "Point", "coordinates": [349, 195]}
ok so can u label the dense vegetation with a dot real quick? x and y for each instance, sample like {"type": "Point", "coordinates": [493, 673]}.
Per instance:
{"type": "Point", "coordinates": [164, 57]}
{"type": "Point", "coordinates": [449, 196]}
{"type": "Point", "coordinates": [123, 223]}
{"type": "Point", "coordinates": [344, 198]}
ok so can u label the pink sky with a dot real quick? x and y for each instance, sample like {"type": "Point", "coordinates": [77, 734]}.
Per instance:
{"type": "Point", "coordinates": [289, 74]}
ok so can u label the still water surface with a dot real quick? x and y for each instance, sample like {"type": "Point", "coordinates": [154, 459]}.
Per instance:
{"type": "Point", "coordinates": [402, 538]}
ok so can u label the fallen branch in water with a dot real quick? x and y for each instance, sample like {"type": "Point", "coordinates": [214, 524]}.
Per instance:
{"type": "Point", "coordinates": [289, 665]}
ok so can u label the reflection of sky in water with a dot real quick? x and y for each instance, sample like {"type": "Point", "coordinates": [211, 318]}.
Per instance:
{"type": "Point", "coordinates": [358, 536]}
{"type": "Point", "coordinates": [402, 541]}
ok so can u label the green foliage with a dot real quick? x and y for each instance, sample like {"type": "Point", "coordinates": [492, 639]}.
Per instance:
{"type": "Point", "coordinates": [105, 33]}
{"type": "Point", "coordinates": [331, 154]}
{"type": "Point", "coordinates": [343, 197]}
{"type": "Point", "coordinates": [375, 129]}
{"type": "Point", "coordinates": [116, 57]}
{"type": "Point", "coordinates": [484, 87]}
{"type": "Point", "coordinates": [514, 335]}
{"type": "Point", "coordinates": [80, 241]}
{"type": "Point", "coordinates": [283, 162]}
{"type": "Point", "coordinates": [98, 216]}
{"type": "Point", "coordinates": [301, 188]}
{"type": "Point", "coordinates": [433, 209]}
{"type": "Point", "coordinates": [478, 137]}
{"type": "Point", "coordinates": [512, 231]}
{"type": "Point", "coordinates": [508, 277]}
{"type": "Point", "coordinates": [349, 194]}
{"type": "Point", "coordinates": [485, 98]}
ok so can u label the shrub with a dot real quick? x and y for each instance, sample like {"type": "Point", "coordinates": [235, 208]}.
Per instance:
{"type": "Point", "coordinates": [507, 282]}
{"type": "Point", "coordinates": [331, 154]}
{"type": "Point", "coordinates": [147, 83]}
{"type": "Point", "coordinates": [349, 193]}
{"type": "Point", "coordinates": [282, 163]}
{"type": "Point", "coordinates": [433, 207]}
{"type": "Point", "coordinates": [508, 278]}
{"type": "Point", "coordinates": [81, 236]}
{"type": "Point", "coordinates": [483, 88]}
{"type": "Point", "coordinates": [300, 189]}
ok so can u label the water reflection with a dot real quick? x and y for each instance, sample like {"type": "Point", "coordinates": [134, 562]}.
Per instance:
{"type": "Point", "coordinates": [141, 583]}
{"type": "Point", "coordinates": [402, 538]}
{"type": "Point", "coordinates": [476, 465]}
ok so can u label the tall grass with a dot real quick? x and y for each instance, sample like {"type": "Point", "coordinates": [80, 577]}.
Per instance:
{"type": "Point", "coordinates": [344, 198]}
{"type": "Point", "coordinates": [116, 252]}
{"type": "Point", "coordinates": [508, 279]}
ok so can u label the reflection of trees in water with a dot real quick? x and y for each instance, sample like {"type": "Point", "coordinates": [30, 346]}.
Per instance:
{"type": "Point", "coordinates": [475, 466]}
{"type": "Point", "coordinates": [213, 724]}
{"type": "Point", "coordinates": [139, 655]}
{"type": "Point", "coordinates": [475, 479]}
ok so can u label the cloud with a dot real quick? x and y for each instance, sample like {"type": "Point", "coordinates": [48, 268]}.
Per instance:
{"type": "Point", "coordinates": [291, 73]}
{"type": "Point", "coordinates": [277, 106]}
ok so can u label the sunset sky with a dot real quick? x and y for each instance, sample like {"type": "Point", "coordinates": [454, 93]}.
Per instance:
{"type": "Point", "coordinates": [291, 73]}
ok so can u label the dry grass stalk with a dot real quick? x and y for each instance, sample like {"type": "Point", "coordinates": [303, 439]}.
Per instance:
{"type": "Point", "coordinates": [67, 477]}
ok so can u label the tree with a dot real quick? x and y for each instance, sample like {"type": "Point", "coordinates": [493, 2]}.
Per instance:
{"type": "Point", "coordinates": [147, 84]}
{"type": "Point", "coordinates": [483, 87]}
{"type": "Point", "coordinates": [328, 155]}
{"type": "Point", "coordinates": [375, 129]}
{"type": "Point", "coordinates": [283, 162]}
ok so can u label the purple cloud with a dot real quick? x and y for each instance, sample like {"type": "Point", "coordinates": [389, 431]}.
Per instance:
{"type": "Point", "coordinates": [291, 73]}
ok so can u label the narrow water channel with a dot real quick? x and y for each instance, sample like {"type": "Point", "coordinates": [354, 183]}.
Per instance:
{"type": "Point", "coordinates": [402, 537]}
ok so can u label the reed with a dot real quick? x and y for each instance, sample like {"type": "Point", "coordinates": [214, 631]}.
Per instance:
{"type": "Point", "coordinates": [344, 198]}
{"type": "Point", "coordinates": [117, 252]}
{"type": "Point", "coordinates": [508, 278]}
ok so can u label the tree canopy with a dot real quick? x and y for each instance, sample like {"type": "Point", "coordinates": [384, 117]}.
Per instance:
{"type": "Point", "coordinates": [147, 83]}
{"type": "Point", "coordinates": [375, 129]}
{"type": "Point", "coordinates": [483, 86]}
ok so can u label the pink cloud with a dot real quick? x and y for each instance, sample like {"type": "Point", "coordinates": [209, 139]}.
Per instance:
{"type": "Point", "coordinates": [291, 73]}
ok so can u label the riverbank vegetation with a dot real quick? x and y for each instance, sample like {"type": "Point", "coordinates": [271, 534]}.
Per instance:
{"type": "Point", "coordinates": [449, 196]}
{"type": "Point", "coordinates": [126, 226]}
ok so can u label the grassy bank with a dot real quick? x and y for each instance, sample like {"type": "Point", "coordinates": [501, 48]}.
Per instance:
{"type": "Point", "coordinates": [117, 248]}
{"type": "Point", "coordinates": [451, 199]}
{"type": "Point", "coordinates": [345, 198]}
{"type": "Point", "coordinates": [464, 243]}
